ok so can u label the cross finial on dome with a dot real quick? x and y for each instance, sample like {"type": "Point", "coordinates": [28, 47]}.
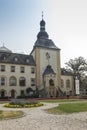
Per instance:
{"type": "Point", "coordinates": [42, 32]}
{"type": "Point", "coordinates": [42, 15]}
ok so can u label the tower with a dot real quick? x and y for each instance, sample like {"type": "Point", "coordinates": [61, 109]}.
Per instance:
{"type": "Point", "coordinates": [47, 58]}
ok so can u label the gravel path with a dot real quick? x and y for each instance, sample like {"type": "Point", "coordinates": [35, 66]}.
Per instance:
{"type": "Point", "coordinates": [37, 119]}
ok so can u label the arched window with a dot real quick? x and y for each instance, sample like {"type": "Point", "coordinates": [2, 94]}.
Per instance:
{"type": "Point", "coordinates": [51, 82]}
{"type": "Point", "coordinates": [2, 81]}
{"type": "Point", "coordinates": [13, 81]}
{"type": "Point", "coordinates": [62, 83]}
{"type": "Point", "coordinates": [68, 83]}
{"type": "Point", "coordinates": [22, 81]}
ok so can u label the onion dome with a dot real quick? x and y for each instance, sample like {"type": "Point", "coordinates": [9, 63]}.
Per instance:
{"type": "Point", "coordinates": [42, 23]}
{"type": "Point", "coordinates": [42, 33]}
{"type": "Point", "coordinates": [43, 38]}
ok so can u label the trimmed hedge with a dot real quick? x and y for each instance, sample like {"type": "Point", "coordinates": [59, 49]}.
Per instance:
{"type": "Point", "coordinates": [23, 103]}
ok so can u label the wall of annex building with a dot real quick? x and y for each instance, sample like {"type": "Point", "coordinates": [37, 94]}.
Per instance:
{"type": "Point", "coordinates": [64, 87]}
{"type": "Point", "coordinates": [7, 74]}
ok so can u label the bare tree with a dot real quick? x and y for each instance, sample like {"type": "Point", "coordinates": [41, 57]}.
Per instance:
{"type": "Point", "coordinates": [77, 66]}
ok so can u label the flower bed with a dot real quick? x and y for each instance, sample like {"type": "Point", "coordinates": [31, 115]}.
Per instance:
{"type": "Point", "coordinates": [23, 103]}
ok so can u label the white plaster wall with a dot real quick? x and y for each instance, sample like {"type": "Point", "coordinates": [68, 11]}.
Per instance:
{"type": "Point", "coordinates": [65, 77]}
{"type": "Point", "coordinates": [44, 61]}
{"type": "Point", "coordinates": [7, 73]}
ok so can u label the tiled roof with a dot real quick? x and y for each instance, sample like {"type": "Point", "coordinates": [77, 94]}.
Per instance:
{"type": "Point", "coordinates": [16, 58]}
{"type": "Point", "coordinates": [47, 43]}
{"type": "Point", "coordinates": [65, 72]}
{"type": "Point", "coordinates": [43, 38]}
{"type": "Point", "coordinates": [48, 70]}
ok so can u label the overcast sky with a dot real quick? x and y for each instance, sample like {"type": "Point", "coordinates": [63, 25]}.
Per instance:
{"type": "Point", "coordinates": [66, 24]}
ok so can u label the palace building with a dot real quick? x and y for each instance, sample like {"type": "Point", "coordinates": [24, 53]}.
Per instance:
{"type": "Point", "coordinates": [37, 74]}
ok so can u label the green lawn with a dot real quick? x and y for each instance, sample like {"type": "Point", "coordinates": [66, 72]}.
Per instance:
{"type": "Point", "coordinates": [69, 108]}
{"type": "Point", "coordinates": [10, 114]}
{"type": "Point", "coordinates": [61, 100]}
{"type": "Point", "coordinates": [2, 102]}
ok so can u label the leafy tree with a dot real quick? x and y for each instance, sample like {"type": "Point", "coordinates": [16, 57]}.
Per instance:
{"type": "Point", "coordinates": [77, 67]}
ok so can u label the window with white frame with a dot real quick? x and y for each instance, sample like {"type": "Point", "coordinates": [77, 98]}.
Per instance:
{"type": "Point", "coordinates": [62, 83]}
{"type": "Point", "coordinates": [32, 70]}
{"type": "Point", "coordinates": [12, 68]}
{"type": "Point", "coordinates": [13, 81]}
{"type": "Point", "coordinates": [2, 81]}
{"type": "Point", "coordinates": [68, 83]}
{"type": "Point", "coordinates": [32, 81]}
{"type": "Point", "coordinates": [2, 67]}
{"type": "Point", "coordinates": [22, 69]}
{"type": "Point", "coordinates": [22, 81]}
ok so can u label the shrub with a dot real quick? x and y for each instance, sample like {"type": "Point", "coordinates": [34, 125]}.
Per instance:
{"type": "Point", "coordinates": [23, 103]}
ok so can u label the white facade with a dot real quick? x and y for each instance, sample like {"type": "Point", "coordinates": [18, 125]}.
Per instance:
{"type": "Point", "coordinates": [44, 61]}
{"type": "Point", "coordinates": [10, 81]}
{"type": "Point", "coordinates": [67, 84]}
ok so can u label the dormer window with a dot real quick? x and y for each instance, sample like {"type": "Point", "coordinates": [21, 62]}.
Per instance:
{"type": "Point", "coordinates": [27, 60]}
{"type": "Point", "coordinates": [15, 59]}
{"type": "Point", "coordinates": [3, 57]}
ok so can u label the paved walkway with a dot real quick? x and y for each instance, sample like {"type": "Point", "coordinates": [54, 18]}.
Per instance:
{"type": "Point", "coordinates": [38, 119]}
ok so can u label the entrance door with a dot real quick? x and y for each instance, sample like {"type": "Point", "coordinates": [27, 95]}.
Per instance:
{"type": "Point", "coordinates": [13, 93]}
{"type": "Point", "coordinates": [2, 94]}
{"type": "Point", "coordinates": [51, 88]}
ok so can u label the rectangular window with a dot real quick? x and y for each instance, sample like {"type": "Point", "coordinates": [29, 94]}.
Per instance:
{"type": "Point", "coordinates": [22, 93]}
{"type": "Point", "coordinates": [22, 81]}
{"type": "Point", "coordinates": [68, 83]}
{"type": "Point", "coordinates": [2, 81]}
{"type": "Point", "coordinates": [12, 68]}
{"type": "Point", "coordinates": [22, 69]}
{"type": "Point", "coordinates": [32, 70]}
{"type": "Point", "coordinates": [62, 83]}
{"type": "Point", "coordinates": [32, 81]}
{"type": "Point", "coordinates": [2, 67]}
